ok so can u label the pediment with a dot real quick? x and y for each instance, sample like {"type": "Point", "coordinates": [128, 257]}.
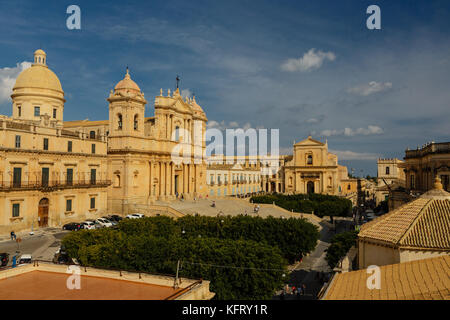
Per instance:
{"type": "Point", "coordinates": [237, 166]}
{"type": "Point", "coordinates": [181, 106]}
{"type": "Point", "coordinates": [309, 142]}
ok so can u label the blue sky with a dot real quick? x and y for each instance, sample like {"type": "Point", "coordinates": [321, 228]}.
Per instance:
{"type": "Point", "coordinates": [305, 67]}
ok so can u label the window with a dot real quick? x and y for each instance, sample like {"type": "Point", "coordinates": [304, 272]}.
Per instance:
{"type": "Point", "coordinates": [17, 177]}
{"type": "Point", "coordinates": [45, 143]}
{"type": "Point", "coordinates": [37, 111]}
{"type": "Point", "coordinates": [119, 122]}
{"type": "Point", "coordinates": [177, 133]}
{"type": "Point", "coordinates": [69, 146]}
{"type": "Point", "coordinates": [212, 179]}
{"type": "Point", "coordinates": [309, 160]}
{"type": "Point", "coordinates": [45, 176]}
{"type": "Point", "coordinates": [17, 141]}
{"type": "Point", "coordinates": [218, 179]}
{"type": "Point", "coordinates": [92, 134]}
{"type": "Point", "coordinates": [69, 176]}
{"type": "Point", "coordinates": [348, 187]}
{"type": "Point", "coordinates": [54, 113]}
{"type": "Point", "coordinates": [93, 176]}
{"type": "Point", "coordinates": [69, 205]}
{"type": "Point", "coordinates": [92, 203]}
{"type": "Point", "coordinates": [19, 111]}
{"type": "Point", "coordinates": [135, 122]}
{"type": "Point", "coordinates": [15, 210]}
{"type": "Point", "coordinates": [387, 170]}
{"type": "Point", "coordinates": [413, 181]}
{"type": "Point", "coordinates": [93, 148]}
{"type": "Point", "coordinates": [117, 180]}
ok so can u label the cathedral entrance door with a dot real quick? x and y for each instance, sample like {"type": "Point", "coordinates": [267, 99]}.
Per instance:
{"type": "Point", "coordinates": [43, 213]}
{"type": "Point", "coordinates": [176, 184]}
{"type": "Point", "coordinates": [310, 187]}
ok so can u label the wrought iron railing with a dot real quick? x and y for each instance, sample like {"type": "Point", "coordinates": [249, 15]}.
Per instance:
{"type": "Point", "coordinates": [23, 185]}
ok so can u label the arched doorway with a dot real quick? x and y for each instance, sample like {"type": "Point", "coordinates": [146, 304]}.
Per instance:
{"type": "Point", "coordinates": [310, 187]}
{"type": "Point", "coordinates": [43, 213]}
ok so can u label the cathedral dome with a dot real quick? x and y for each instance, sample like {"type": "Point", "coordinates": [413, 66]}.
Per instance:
{"type": "Point", "coordinates": [127, 84]}
{"type": "Point", "coordinates": [38, 75]}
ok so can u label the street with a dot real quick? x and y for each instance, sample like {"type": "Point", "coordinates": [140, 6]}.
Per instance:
{"type": "Point", "coordinates": [314, 266]}
{"type": "Point", "coordinates": [42, 245]}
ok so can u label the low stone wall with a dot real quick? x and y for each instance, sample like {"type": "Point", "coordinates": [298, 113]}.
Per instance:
{"type": "Point", "coordinates": [197, 291]}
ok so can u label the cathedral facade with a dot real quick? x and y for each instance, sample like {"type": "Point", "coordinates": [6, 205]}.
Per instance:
{"type": "Point", "coordinates": [53, 172]}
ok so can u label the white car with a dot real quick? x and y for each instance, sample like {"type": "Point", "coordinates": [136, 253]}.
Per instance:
{"type": "Point", "coordinates": [104, 223]}
{"type": "Point", "coordinates": [135, 216]}
{"type": "Point", "coordinates": [88, 225]}
{"type": "Point", "coordinates": [25, 258]}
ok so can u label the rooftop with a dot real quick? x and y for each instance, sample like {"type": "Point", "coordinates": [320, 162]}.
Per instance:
{"type": "Point", "coordinates": [420, 224]}
{"type": "Point", "coordinates": [427, 279]}
{"type": "Point", "coordinates": [45, 281]}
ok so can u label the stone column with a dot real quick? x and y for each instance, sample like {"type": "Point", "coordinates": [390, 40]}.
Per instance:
{"type": "Point", "coordinates": [159, 179]}
{"type": "Point", "coordinates": [169, 179]}
{"type": "Point", "coordinates": [164, 180]}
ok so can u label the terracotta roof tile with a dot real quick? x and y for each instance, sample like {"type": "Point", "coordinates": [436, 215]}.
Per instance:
{"type": "Point", "coordinates": [414, 280]}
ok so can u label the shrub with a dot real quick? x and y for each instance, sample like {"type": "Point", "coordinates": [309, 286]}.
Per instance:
{"type": "Point", "coordinates": [201, 258]}
{"type": "Point", "coordinates": [340, 244]}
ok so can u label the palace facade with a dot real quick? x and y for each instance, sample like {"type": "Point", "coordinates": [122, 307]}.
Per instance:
{"type": "Point", "coordinates": [48, 174]}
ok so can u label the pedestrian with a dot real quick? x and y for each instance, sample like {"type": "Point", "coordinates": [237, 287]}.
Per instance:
{"type": "Point", "coordinates": [13, 236]}
{"type": "Point", "coordinates": [294, 290]}
{"type": "Point", "coordinates": [303, 289]}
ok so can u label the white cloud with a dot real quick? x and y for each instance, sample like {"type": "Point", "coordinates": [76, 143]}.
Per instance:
{"type": "Point", "coordinates": [310, 60]}
{"type": "Point", "coordinates": [223, 125]}
{"type": "Point", "coordinates": [351, 155]}
{"type": "Point", "coordinates": [8, 78]}
{"type": "Point", "coordinates": [372, 87]}
{"type": "Point", "coordinates": [349, 132]}
{"type": "Point", "coordinates": [186, 93]}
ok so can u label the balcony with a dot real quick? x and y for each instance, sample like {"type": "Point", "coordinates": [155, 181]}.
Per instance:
{"type": "Point", "coordinates": [52, 185]}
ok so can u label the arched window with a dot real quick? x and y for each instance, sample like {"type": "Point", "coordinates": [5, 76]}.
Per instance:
{"type": "Point", "coordinates": [136, 122]}
{"type": "Point", "coordinates": [309, 159]}
{"type": "Point", "coordinates": [348, 187]}
{"type": "Point", "coordinates": [387, 170]}
{"type": "Point", "coordinates": [177, 133]}
{"type": "Point", "coordinates": [119, 122]}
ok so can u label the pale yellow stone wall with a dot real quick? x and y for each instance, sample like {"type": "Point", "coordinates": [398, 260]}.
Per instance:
{"type": "Point", "coordinates": [31, 158]}
{"type": "Point", "coordinates": [383, 254]}
{"type": "Point", "coordinates": [376, 254]}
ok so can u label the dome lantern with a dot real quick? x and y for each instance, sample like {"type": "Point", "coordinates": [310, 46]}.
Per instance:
{"type": "Point", "coordinates": [40, 57]}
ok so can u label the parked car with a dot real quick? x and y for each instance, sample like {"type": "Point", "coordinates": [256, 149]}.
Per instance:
{"type": "Point", "coordinates": [88, 225]}
{"type": "Point", "coordinates": [113, 222]}
{"type": "Point", "coordinates": [96, 223]}
{"type": "Point", "coordinates": [4, 259]}
{"type": "Point", "coordinates": [370, 215]}
{"type": "Point", "coordinates": [25, 258]}
{"type": "Point", "coordinates": [104, 222]}
{"type": "Point", "coordinates": [135, 216]}
{"type": "Point", "coordinates": [73, 226]}
{"type": "Point", "coordinates": [113, 217]}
